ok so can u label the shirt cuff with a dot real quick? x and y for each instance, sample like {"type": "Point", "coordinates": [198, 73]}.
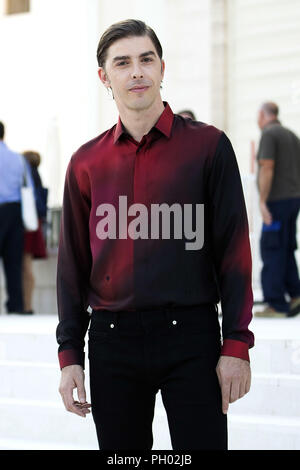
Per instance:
{"type": "Point", "coordinates": [235, 348]}
{"type": "Point", "coordinates": [69, 357]}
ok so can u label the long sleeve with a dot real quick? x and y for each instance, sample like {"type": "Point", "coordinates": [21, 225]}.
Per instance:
{"type": "Point", "coordinates": [231, 250]}
{"type": "Point", "coordinates": [73, 271]}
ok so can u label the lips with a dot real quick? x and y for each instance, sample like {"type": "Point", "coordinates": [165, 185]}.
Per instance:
{"type": "Point", "coordinates": [138, 89]}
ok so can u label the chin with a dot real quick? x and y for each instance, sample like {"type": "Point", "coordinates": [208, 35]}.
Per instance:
{"type": "Point", "coordinates": [139, 105]}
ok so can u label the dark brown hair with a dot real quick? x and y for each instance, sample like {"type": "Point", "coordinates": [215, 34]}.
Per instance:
{"type": "Point", "coordinates": [33, 158]}
{"type": "Point", "coordinates": [125, 29]}
{"type": "Point", "coordinates": [189, 113]}
{"type": "Point", "coordinates": [2, 130]}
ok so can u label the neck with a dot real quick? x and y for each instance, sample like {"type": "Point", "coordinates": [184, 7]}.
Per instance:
{"type": "Point", "coordinates": [270, 121]}
{"type": "Point", "coordinates": [139, 122]}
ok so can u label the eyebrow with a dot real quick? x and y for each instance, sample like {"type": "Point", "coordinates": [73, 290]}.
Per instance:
{"type": "Point", "coordinates": [126, 57]}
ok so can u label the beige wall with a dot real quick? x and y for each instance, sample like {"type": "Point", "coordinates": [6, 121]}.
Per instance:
{"type": "Point", "coordinates": [263, 64]}
{"type": "Point", "coordinates": [48, 91]}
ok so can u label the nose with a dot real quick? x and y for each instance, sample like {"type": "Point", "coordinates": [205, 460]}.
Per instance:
{"type": "Point", "coordinates": [136, 72]}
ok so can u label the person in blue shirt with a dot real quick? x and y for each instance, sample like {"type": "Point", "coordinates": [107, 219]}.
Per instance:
{"type": "Point", "coordinates": [12, 167]}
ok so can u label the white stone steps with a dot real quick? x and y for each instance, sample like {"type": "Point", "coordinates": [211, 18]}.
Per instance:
{"type": "Point", "coordinates": [275, 394]}
{"type": "Point", "coordinates": [23, 444]}
{"type": "Point", "coordinates": [46, 421]}
{"type": "Point", "coordinates": [270, 394]}
{"type": "Point", "coordinates": [263, 432]}
{"type": "Point", "coordinates": [33, 416]}
{"type": "Point", "coordinates": [255, 432]}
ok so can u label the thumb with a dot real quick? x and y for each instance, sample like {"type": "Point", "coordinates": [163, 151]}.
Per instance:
{"type": "Point", "coordinates": [81, 392]}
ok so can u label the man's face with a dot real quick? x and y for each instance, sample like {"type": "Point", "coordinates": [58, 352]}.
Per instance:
{"type": "Point", "coordinates": [134, 71]}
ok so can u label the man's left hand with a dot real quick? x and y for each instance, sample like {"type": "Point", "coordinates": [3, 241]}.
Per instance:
{"type": "Point", "coordinates": [234, 377]}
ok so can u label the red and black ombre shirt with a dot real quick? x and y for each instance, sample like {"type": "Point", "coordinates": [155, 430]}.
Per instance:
{"type": "Point", "coordinates": [179, 161]}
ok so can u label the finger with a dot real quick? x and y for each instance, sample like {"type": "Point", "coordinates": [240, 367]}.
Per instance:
{"type": "Point", "coordinates": [77, 408]}
{"type": "Point", "coordinates": [234, 391]}
{"type": "Point", "coordinates": [74, 408]}
{"type": "Point", "coordinates": [248, 384]}
{"type": "Point", "coordinates": [83, 410]}
{"type": "Point", "coordinates": [83, 405]}
{"type": "Point", "coordinates": [67, 396]}
{"type": "Point", "coordinates": [242, 388]}
{"type": "Point", "coordinates": [225, 390]}
{"type": "Point", "coordinates": [267, 220]}
{"type": "Point", "coordinates": [81, 393]}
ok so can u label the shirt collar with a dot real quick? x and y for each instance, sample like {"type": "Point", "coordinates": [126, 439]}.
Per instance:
{"type": "Point", "coordinates": [164, 123]}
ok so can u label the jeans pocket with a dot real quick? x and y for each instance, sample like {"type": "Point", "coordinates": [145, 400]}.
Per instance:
{"type": "Point", "coordinates": [97, 339]}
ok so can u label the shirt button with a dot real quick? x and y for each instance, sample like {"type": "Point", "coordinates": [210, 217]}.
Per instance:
{"type": "Point", "coordinates": [112, 325]}
{"type": "Point", "coordinates": [174, 322]}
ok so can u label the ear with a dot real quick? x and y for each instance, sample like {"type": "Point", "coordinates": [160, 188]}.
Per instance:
{"type": "Point", "coordinates": [104, 77]}
{"type": "Point", "coordinates": [163, 66]}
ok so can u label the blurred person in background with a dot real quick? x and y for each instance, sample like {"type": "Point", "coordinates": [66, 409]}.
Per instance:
{"type": "Point", "coordinates": [12, 168]}
{"type": "Point", "coordinates": [34, 243]}
{"type": "Point", "coordinates": [187, 113]}
{"type": "Point", "coordinates": [151, 303]}
{"type": "Point", "coordinates": [278, 183]}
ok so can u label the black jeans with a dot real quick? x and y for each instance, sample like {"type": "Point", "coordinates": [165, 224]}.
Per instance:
{"type": "Point", "coordinates": [11, 251]}
{"type": "Point", "coordinates": [279, 275]}
{"type": "Point", "coordinates": [134, 354]}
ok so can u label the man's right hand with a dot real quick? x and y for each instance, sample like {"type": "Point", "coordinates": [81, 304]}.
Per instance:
{"type": "Point", "coordinates": [265, 213]}
{"type": "Point", "coordinates": [73, 377]}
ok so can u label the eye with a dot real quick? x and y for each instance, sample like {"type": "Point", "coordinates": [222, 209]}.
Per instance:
{"type": "Point", "coordinates": [147, 59]}
{"type": "Point", "coordinates": [122, 63]}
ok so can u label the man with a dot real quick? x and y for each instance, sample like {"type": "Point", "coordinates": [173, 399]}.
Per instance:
{"type": "Point", "coordinates": [11, 225]}
{"type": "Point", "coordinates": [279, 194]}
{"type": "Point", "coordinates": [152, 299]}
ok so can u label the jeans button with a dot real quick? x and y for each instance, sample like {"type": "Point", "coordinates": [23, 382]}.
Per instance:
{"type": "Point", "coordinates": [112, 325]}
{"type": "Point", "coordinates": [174, 322]}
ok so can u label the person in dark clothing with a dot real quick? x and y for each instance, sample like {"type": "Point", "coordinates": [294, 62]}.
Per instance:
{"type": "Point", "coordinates": [11, 224]}
{"type": "Point", "coordinates": [34, 243]}
{"type": "Point", "coordinates": [279, 191]}
{"type": "Point", "coordinates": [150, 295]}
